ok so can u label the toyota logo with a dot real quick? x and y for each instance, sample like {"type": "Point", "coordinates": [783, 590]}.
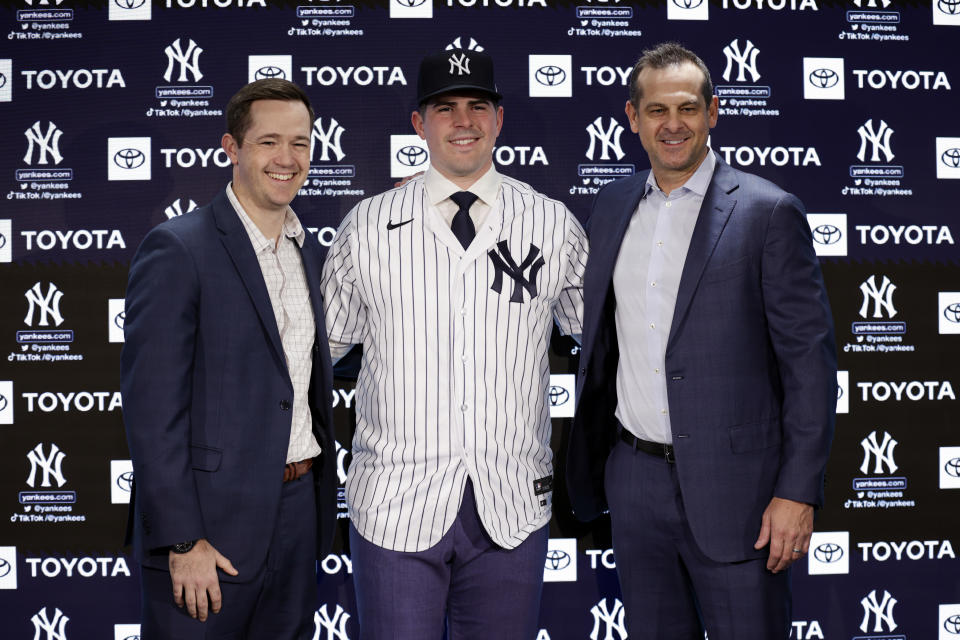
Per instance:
{"type": "Point", "coordinates": [688, 4]}
{"type": "Point", "coordinates": [3, 241]}
{"type": "Point", "coordinates": [550, 75]}
{"type": "Point", "coordinates": [839, 392]}
{"type": "Point", "coordinates": [824, 78]}
{"type": "Point", "coordinates": [827, 234]}
{"type": "Point", "coordinates": [119, 318]}
{"type": "Point", "coordinates": [410, 3]}
{"type": "Point", "coordinates": [558, 396]}
{"type": "Point", "coordinates": [3, 80]}
{"type": "Point", "coordinates": [129, 4]}
{"type": "Point", "coordinates": [411, 155]}
{"type": "Point", "coordinates": [270, 72]}
{"type": "Point", "coordinates": [3, 402]}
{"type": "Point", "coordinates": [951, 157]}
{"type": "Point", "coordinates": [828, 552]}
{"type": "Point", "coordinates": [950, 7]}
{"type": "Point", "coordinates": [557, 560]}
{"type": "Point", "coordinates": [5, 568]}
{"type": "Point", "coordinates": [952, 467]}
{"type": "Point", "coordinates": [952, 312]}
{"type": "Point", "coordinates": [125, 481]}
{"type": "Point", "coordinates": [129, 158]}
{"type": "Point", "coordinates": [952, 624]}
{"type": "Point", "coordinates": [134, 637]}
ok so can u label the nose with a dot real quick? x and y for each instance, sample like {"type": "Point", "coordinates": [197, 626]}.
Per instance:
{"type": "Point", "coordinates": [461, 116]}
{"type": "Point", "coordinates": [673, 120]}
{"type": "Point", "coordinates": [285, 155]}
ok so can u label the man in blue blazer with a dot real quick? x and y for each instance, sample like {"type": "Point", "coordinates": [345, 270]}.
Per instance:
{"type": "Point", "coordinates": [226, 382]}
{"type": "Point", "coordinates": [707, 386]}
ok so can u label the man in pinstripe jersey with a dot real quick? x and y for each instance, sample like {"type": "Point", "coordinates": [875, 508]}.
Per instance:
{"type": "Point", "coordinates": [452, 283]}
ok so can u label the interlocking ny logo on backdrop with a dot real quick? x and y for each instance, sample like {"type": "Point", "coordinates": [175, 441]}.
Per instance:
{"type": "Point", "coordinates": [879, 140]}
{"type": "Point", "coordinates": [54, 629]}
{"type": "Point", "coordinates": [882, 612]}
{"type": "Point", "coordinates": [336, 627]}
{"type": "Point", "coordinates": [504, 263]}
{"type": "Point", "coordinates": [328, 138]}
{"type": "Point", "coordinates": [611, 620]}
{"type": "Point", "coordinates": [189, 61]}
{"type": "Point", "coordinates": [48, 305]}
{"type": "Point", "coordinates": [51, 465]}
{"type": "Point", "coordinates": [746, 61]}
{"type": "Point", "coordinates": [609, 138]}
{"type": "Point", "coordinates": [43, 143]}
{"type": "Point", "coordinates": [882, 453]}
{"type": "Point", "coordinates": [881, 296]}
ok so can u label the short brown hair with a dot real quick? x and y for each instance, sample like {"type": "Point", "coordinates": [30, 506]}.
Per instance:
{"type": "Point", "coordinates": [668, 54]}
{"type": "Point", "coordinates": [238, 108]}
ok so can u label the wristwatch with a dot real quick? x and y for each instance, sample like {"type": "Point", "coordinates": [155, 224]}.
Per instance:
{"type": "Point", "coordinates": [183, 547]}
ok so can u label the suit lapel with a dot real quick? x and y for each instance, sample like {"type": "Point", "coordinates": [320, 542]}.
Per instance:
{"type": "Point", "coordinates": [237, 243]}
{"type": "Point", "coordinates": [606, 237]}
{"type": "Point", "coordinates": [718, 204]}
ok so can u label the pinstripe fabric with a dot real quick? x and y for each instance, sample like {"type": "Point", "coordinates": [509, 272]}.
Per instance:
{"type": "Point", "coordinates": [454, 375]}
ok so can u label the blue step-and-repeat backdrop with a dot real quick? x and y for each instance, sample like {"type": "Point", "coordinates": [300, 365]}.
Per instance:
{"type": "Point", "coordinates": [112, 112]}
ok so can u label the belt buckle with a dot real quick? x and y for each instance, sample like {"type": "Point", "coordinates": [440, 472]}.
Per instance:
{"type": "Point", "coordinates": [668, 454]}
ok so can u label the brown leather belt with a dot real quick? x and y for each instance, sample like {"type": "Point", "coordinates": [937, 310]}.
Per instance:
{"type": "Point", "coordinates": [658, 449]}
{"type": "Point", "coordinates": [294, 470]}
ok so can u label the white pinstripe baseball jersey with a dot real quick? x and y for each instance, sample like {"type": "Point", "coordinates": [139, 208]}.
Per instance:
{"type": "Point", "coordinates": [455, 367]}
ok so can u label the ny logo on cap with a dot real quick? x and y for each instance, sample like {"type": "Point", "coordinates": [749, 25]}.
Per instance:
{"type": "Point", "coordinates": [460, 64]}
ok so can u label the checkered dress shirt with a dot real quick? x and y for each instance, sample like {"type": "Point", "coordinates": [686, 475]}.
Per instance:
{"type": "Point", "coordinates": [286, 282]}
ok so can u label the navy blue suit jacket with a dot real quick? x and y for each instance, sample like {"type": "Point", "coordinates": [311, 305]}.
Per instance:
{"type": "Point", "coordinates": [206, 394]}
{"type": "Point", "coordinates": [750, 361]}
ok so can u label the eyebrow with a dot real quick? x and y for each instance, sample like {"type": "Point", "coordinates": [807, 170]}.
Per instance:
{"type": "Point", "coordinates": [272, 136]}
{"type": "Point", "coordinates": [450, 103]}
{"type": "Point", "coordinates": [695, 103]}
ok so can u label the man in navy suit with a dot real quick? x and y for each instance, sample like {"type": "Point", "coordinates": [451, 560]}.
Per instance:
{"type": "Point", "coordinates": [707, 386]}
{"type": "Point", "coordinates": [226, 393]}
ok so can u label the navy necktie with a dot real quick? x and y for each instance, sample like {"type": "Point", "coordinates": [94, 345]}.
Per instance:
{"type": "Point", "coordinates": [462, 225]}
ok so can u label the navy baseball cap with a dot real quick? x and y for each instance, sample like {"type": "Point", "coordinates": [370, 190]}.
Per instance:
{"type": "Point", "coordinates": [456, 69]}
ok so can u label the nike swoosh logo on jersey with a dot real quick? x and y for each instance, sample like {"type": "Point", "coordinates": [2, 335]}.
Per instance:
{"type": "Point", "coordinates": [391, 226]}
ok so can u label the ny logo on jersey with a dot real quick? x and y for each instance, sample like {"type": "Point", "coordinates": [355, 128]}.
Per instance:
{"type": "Point", "coordinates": [504, 263]}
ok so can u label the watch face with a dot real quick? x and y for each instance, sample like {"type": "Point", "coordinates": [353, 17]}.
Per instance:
{"type": "Point", "coordinates": [183, 547]}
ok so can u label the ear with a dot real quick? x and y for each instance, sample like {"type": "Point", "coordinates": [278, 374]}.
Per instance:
{"type": "Point", "coordinates": [713, 112]}
{"type": "Point", "coordinates": [499, 119]}
{"type": "Point", "coordinates": [231, 147]}
{"type": "Point", "coordinates": [633, 117]}
{"type": "Point", "coordinates": [417, 121]}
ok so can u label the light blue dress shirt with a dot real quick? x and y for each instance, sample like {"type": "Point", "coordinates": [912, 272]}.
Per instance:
{"type": "Point", "coordinates": [645, 281]}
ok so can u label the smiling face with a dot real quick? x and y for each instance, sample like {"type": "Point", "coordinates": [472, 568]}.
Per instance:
{"type": "Point", "coordinates": [272, 163]}
{"type": "Point", "coordinates": [460, 130]}
{"type": "Point", "coordinates": [673, 121]}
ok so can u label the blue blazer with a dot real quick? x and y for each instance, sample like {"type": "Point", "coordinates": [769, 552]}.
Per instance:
{"type": "Point", "coordinates": [206, 394]}
{"type": "Point", "coordinates": [750, 361]}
